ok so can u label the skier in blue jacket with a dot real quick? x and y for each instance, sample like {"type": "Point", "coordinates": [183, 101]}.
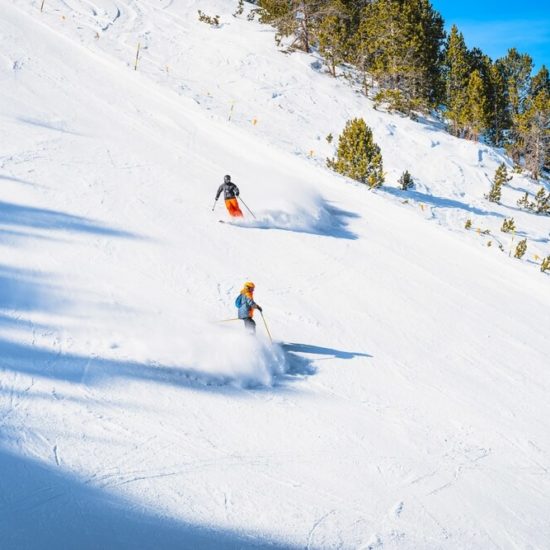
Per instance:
{"type": "Point", "coordinates": [246, 306]}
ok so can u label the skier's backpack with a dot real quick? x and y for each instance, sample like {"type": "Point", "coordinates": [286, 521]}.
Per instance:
{"type": "Point", "coordinates": [239, 301]}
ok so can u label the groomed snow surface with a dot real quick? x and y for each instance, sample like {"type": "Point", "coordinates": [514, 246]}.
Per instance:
{"type": "Point", "coordinates": [404, 404]}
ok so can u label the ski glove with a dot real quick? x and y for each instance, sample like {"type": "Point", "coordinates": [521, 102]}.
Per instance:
{"type": "Point", "coordinates": [258, 308]}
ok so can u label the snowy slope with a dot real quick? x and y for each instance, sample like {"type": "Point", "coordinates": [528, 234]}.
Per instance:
{"type": "Point", "coordinates": [405, 404]}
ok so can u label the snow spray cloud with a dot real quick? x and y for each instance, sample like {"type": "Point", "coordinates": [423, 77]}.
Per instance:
{"type": "Point", "coordinates": [209, 354]}
{"type": "Point", "coordinates": [306, 213]}
{"type": "Point", "coordinates": [226, 355]}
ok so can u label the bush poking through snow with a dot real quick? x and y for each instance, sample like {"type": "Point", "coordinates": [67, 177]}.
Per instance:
{"type": "Point", "coordinates": [545, 265]}
{"type": "Point", "coordinates": [240, 8]}
{"type": "Point", "coordinates": [329, 138]}
{"type": "Point", "coordinates": [358, 156]}
{"type": "Point", "coordinates": [524, 202]}
{"type": "Point", "coordinates": [395, 101]}
{"type": "Point", "coordinates": [521, 249]}
{"type": "Point", "coordinates": [468, 224]}
{"type": "Point", "coordinates": [508, 225]}
{"type": "Point", "coordinates": [541, 204]}
{"type": "Point", "coordinates": [213, 21]}
{"type": "Point", "coordinates": [406, 181]}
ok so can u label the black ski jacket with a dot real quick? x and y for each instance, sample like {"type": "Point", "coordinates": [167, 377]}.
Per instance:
{"type": "Point", "coordinates": [230, 191]}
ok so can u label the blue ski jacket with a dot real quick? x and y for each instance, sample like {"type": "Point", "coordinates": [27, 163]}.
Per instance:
{"type": "Point", "coordinates": [245, 305]}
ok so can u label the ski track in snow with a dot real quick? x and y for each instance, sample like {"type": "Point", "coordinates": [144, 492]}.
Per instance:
{"type": "Point", "coordinates": [405, 403]}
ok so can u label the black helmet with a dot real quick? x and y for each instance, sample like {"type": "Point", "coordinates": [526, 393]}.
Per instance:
{"type": "Point", "coordinates": [227, 179]}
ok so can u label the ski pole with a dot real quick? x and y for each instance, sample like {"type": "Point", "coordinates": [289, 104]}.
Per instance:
{"type": "Point", "coordinates": [268, 333]}
{"type": "Point", "coordinates": [214, 205]}
{"type": "Point", "coordinates": [247, 208]}
{"type": "Point", "coordinates": [227, 320]}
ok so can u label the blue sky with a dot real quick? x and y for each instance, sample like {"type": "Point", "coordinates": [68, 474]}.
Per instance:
{"type": "Point", "coordinates": [495, 26]}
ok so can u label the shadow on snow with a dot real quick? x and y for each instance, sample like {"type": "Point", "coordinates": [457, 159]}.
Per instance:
{"type": "Point", "coordinates": [439, 202]}
{"type": "Point", "coordinates": [19, 216]}
{"type": "Point", "coordinates": [44, 508]}
{"type": "Point", "coordinates": [318, 350]}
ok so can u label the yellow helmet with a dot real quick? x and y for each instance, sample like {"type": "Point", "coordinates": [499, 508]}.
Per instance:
{"type": "Point", "coordinates": [249, 285]}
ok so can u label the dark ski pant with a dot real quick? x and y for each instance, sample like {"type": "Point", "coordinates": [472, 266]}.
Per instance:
{"type": "Point", "coordinates": [250, 325]}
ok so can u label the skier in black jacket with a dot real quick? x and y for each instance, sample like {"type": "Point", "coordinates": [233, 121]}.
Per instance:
{"type": "Point", "coordinates": [230, 194]}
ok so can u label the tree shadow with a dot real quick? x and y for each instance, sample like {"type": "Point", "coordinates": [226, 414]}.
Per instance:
{"type": "Point", "coordinates": [18, 180]}
{"type": "Point", "coordinates": [19, 216]}
{"type": "Point", "coordinates": [23, 291]}
{"type": "Point", "coordinates": [439, 202]}
{"type": "Point", "coordinates": [44, 507]}
{"type": "Point", "coordinates": [56, 126]}
{"type": "Point", "coordinates": [93, 370]}
{"type": "Point", "coordinates": [9, 236]}
{"type": "Point", "coordinates": [526, 235]}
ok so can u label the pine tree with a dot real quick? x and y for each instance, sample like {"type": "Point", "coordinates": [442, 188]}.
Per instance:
{"type": "Point", "coordinates": [424, 54]}
{"type": "Point", "coordinates": [540, 82]}
{"type": "Point", "coordinates": [499, 117]}
{"type": "Point", "coordinates": [457, 77]}
{"type": "Point", "coordinates": [406, 181]}
{"type": "Point", "coordinates": [399, 45]}
{"type": "Point", "coordinates": [545, 265]}
{"type": "Point", "coordinates": [299, 18]}
{"type": "Point", "coordinates": [501, 174]}
{"type": "Point", "coordinates": [521, 249]}
{"type": "Point", "coordinates": [333, 41]}
{"type": "Point", "coordinates": [533, 130]}
{"type": "Point", "coordinates": [508, 225]}
{"type": "Point", "coordinates": [358, 156]}
{"type": "Point", "coordinates": [476, 107]}
{"type": "Point", "coordinates": [516, 69]}
{"type": "Point", "coordinates": [517, 72]}
{"type": "Point", "coordinates": [542, 202]}
{"type": "Point", "coordinates": [501, 177]}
